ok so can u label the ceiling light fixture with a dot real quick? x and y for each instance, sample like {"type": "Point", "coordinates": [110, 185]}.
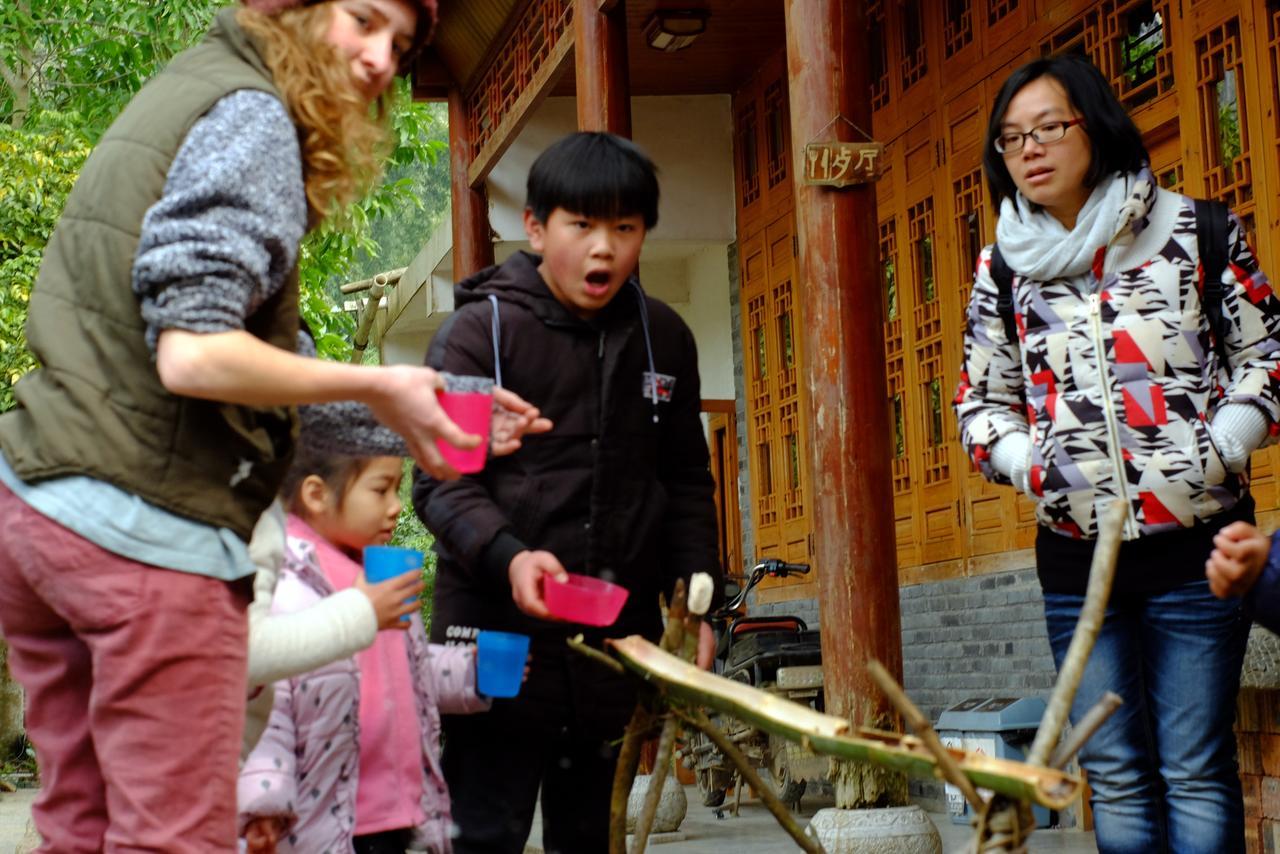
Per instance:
{"type": "Point", "coordinates": [670, 30]}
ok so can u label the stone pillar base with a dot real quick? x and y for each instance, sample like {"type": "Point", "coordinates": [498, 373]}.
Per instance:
{"type": "Point", "coordinates": [672, 804]}
{"type": "Point", "coordinates": [891, 830]}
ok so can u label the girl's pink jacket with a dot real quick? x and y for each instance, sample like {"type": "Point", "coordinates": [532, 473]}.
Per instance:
{"type": "Point", "coordinates": [305, 767]}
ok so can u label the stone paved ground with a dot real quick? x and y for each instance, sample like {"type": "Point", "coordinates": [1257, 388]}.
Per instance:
{"type": "Point", "coordinates": [16, 833]}
{"type": "Point", "coordinates": [752, 832]}
{"type": "Point", "coordinates": [755, 832]}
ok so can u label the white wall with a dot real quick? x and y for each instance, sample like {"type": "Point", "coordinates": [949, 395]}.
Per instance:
{"type": "Point", "coordinates": [707, 313]}
{"type": "Point", "coordinates": [689, 138]}
{"type": "Point", "coordinates": [685, 258]}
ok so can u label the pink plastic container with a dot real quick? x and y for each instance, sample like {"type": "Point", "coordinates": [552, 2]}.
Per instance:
{"type": "Point", "coordinates": [473, 412]}
{"type": "Point", "coordinates": [583, 599]}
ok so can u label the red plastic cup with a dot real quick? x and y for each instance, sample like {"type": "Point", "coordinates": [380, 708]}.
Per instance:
{"type": "Point", "coordinates": [584, 599]}
{"type": "Point", "coordinates": [468, 401]}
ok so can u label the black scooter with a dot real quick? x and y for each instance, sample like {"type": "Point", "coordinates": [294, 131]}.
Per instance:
{"type": "Point", "coordinates": [779, 654]}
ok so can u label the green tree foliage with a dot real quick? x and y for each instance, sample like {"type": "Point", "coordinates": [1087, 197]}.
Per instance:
{"type": "Point", "coordinates": [66, 71]}
{"type": "Point", "coordinates": [88, 57]}
{"type": "Point", "coordinates": [37, 169]}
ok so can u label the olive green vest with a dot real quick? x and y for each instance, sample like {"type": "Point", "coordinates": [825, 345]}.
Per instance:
{"type": "Point", "coordinates": [96, 406]}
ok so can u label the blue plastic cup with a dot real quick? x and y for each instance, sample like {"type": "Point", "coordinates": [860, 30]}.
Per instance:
{"type": "Point", "coordinates": [500, 660]}
{"type": "Point", "coordinates": [383, 562]}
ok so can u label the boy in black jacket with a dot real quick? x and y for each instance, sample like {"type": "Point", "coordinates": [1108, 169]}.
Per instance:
{"type": "Point", "coordinates": [619, 489]}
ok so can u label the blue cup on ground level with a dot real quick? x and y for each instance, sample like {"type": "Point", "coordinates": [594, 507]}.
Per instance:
{"type": "Point", "coordinates": [500, 660]}
{"type": "Point", "coordinates": [383, 562]}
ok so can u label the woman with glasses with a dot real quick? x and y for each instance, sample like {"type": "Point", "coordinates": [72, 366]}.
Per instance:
{"type": "Point", "coordinates": [1111, 388]}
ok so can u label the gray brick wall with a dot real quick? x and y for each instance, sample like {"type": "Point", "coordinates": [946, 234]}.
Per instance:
{"type": "Point", "coordinates": [965, 637]}
{"type": "Point", "coordinates": [740, 398]}
{"type": "Point", "coordinates": [970, 637]}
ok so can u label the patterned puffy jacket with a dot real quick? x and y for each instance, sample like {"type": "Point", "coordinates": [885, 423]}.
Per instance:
{"type": "Point", "coordinates": [304, 769]}
{"type": "Point", "coordinates": [1116, 378]}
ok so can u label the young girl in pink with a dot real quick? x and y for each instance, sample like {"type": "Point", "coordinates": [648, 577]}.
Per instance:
{"type": "Point", "coordinates": [350, 757]}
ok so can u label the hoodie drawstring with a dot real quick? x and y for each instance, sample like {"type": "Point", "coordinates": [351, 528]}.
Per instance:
{"type": "Point", "coordinates": [495, 331]}
{"type": "Point", "coordinates": [648, 348]}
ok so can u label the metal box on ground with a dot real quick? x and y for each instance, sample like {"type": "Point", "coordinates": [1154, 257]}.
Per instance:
{"type": "Point", "coordinates": [1002, 727]}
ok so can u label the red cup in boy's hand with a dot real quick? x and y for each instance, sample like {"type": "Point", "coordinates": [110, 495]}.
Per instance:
{"type": "Point", "coordinates": [528, 572]}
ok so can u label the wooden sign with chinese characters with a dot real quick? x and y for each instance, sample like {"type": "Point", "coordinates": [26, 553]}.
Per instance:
{"type": "Point", "coordinates": [839, 164]}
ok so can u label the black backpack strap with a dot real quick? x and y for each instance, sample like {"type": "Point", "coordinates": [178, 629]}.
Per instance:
{"type": "Point", "coordinates": [1002, 275]}
{"type": "Point", "coordinates": [1212, 223]}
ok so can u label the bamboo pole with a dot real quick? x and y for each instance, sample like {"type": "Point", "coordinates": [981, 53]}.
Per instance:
{"type": "Point", "coordinates": [387, 278]}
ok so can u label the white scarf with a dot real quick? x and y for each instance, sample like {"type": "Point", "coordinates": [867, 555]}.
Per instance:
{"type": "Point", "coordinates": [1039, 247]}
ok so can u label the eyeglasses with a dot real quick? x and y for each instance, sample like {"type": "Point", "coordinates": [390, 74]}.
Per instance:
{"type": "Point", "coordinates": [1011, 142]}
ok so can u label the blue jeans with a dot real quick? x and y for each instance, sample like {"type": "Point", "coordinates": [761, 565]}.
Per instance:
{"type": "Point", "coordinates": [1163, 767]}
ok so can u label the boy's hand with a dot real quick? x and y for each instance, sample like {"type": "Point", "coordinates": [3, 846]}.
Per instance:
{"type": "Point", "coordinates": [1239, 554]}
{"type": "Point", "coordinates": [528, 572]}
{"type": "Point", "coordinates": [387, 598]}
{"type": "Point", "coordinates": [407, 404]}
{"type": "Point", "coordinates": [261, 834]}
{"type": "Point", "coordinates": [513, 417]}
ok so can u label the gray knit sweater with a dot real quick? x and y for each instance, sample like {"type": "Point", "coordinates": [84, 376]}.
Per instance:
{"type": "Point", "coordinates": [224, 236]}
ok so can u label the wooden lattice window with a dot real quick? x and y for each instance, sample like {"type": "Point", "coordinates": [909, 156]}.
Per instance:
{"type": "Point", "coordinates": [762, 411]}
{"type": "Point", "coordinates": [998, 10]}
{"type": "Point", "coordinates": [775, 119]}
{"type": "Point", "coordinates": [914, 56]}
{"type": "Point", "coordinates": [970, 233]}
{"type": "Point", "coordinates": [895, 366]}
{"type": "Point", "coordinates": [1224, 136]}
{"type": "Point", "coordinates": [1082, 35]}
{"type": "Point", "coordinates": [748, 155]}
{"type": "Point", "coordinates": [1140, 51]}
{"type": "Point", "coordinates": [957, 31]}
{"type": "Point", "coordinates": [937, 465]}
{"type": "Point", "coordinates": [1273, 51]}
{"type": "Point", "coordinates": [1170, 178]}
{"type": "Point", "coordinates": [511, 72]}
{"type": "Point", "coordinates": [788, 390]}
{"type": "Point", "coordinates": [920, 226]}
{"type": "Point", "coordinates": [879, 55]}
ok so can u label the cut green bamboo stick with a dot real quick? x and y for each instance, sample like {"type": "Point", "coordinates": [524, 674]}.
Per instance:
{"type": "Point", "coordinates": [831, 736]}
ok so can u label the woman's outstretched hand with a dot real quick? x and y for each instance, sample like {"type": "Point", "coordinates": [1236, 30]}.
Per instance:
{"type": "Point", "coordinates": [513, 418]}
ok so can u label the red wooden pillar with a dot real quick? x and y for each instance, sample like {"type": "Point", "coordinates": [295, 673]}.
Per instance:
{"type": "Point", "coordinates": [853, 526]}
{"type": "Point", "coordinates": [600, 66]}
{"type": "Point", "coordinates": [472, 245]}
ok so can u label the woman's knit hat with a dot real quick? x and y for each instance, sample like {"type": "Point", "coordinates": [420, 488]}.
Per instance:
{"type": "Point", "coordinates": [426, 20]}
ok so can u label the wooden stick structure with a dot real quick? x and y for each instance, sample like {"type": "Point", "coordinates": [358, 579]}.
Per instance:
{"type": "Point", "coordinates": [657, 778]}
{"type": "Point", "coordinates": [1002, 823]}
{"type": "Point", "coordinates": [1088, 725]}
{"type": "Point", "coordinates": [699, 720]}
{"type": "Point", "coordinates": [1005, 825]}
{"type": "Point", "coordinates": [1098, 592]}
{"type": "Point", "coordinates": [920, 725]}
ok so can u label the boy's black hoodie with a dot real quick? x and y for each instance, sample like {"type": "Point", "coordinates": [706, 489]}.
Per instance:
{"type": "Point", "coordinates": [619, 489]}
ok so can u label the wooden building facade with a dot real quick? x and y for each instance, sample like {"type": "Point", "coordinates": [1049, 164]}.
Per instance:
{"type": "Point", "coordinates": [1201, 79]}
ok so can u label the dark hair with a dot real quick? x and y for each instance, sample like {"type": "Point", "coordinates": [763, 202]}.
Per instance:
{"type": "Point", "coordinates": [1116, 143]}
{"type": "Point", "coordinates": [595, 175]}
{"type": "Point", "coordinates": [335, 470]}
